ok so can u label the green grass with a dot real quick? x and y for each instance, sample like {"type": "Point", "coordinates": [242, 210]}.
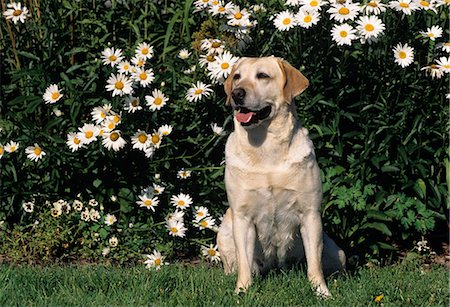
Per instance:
{"type": "Point", "coordinates": [178, 285]}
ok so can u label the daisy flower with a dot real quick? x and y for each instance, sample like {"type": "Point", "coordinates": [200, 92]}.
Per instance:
{"type": "Point", "coordinates": [307, 19]}
{"type": "Point", "coordinates": [237, 17]}
{"type": "Point", "coordinates": [52, 94]}
{"type": "Point", "coordinates": [223, 65]}
{"type": "Point", "coordinates": [198, 91]}
{"type": "Point", "coordinates": [141, 140]}
{"type": "Point", "coordinates": [108, 125]}
{"type": "Point", "coordinates": [113, 242]}
{"type": "Point", "coordinates": [165, 130]}
{"type": "Point", "coordinates": [124, 67]}
{"type": "Point", "coordinates": [99, 114]}
{"type": "Point", "coordinates": [292, 2]}
{"type": "Point", "coordinates": [184, 54]}
{"type": "Point", "coordinates": [149, 152]}
{"type": "Point", "coordinates": [403, 54]}
{"type": "Point", "coordinates": [88, 133]}
{"type": "Point", "coordinates": [200, 213]}
{"type": "Point", "coordinates": [426, 5]}
{"type": "Point", "coordinates": [16, 12]}
{"type": "Point", "coordinates": [176, 228]}
{"type": "Point", "coordinates": [342, 12]}
{"type": "Point", "coordinates": [374, 7]}
{"type": "Point", "coordinates": [211, 253]}
{"type": "Point", "coordinates": [284, 21]}
{"type": "Point", "coordinates": [111, 56]}
{"type": "Point", "coordinates": [113, 140]}
{"type": "Point", "coordinates": [445, 47]}
{"type": "Point", "coordinates": [148, 202]}
{"type": "Point", "coordinates": [144, 51]}
{"type": "Point", "coordinates": [143, 76]}
{"type": "Point", "coordinates": [110, 219]}
{"type": "Point", "coordinates": [2, 151]}
{"type": "Point", "coordinates": [157, 189]}
{"type": "Point", "coordinates": [206, 223]}
{"type": "Point", "coordinates": [343, 34]}
{"type": "Point", "coordinates": [138, 61]}
{"type": "Point", "coordinates": [433, 70]}
{"type": "Point", "coordinates": [405, 6]}
{"type": "Point", "coordinates": [184, 174]}
{"type": "Point", "coordinates": [433, 32]}
{"type": "Point", "coordinates": [132, 104]}
{"type": "Point", "coordinates": [35, 152]}
{"type": "Point", "coordinates": [444, 64]}
{"type": "Point", "coordinates": [181, 201]}
{"type": "Point", "coordinates": [11, 146]}
{"type": "Point", "coordinates": [156, 139]}
{"type": "Point", "coordinates": [370, 27]}
{"type": "Point", "coordinates": [212, 46]}
{"type": "Point", "coordinates": [207, 60]}
{"type": "Point", "coordinates": [155, 260]}
{"type": "Point", "coordinates": [28, 207]}
{"type": "Point", "coordinates": [157, 100]}
{"type": "Point", "coordinates": [217, 129]}
{"type": "Point", "coordinates": [221, 9]}
{"type": "Point", "coordinates": [177, 215]}
{"type": "Point", "coordinates": [315, 5]}
{"type": "Point", "coordinates": [119, 85]}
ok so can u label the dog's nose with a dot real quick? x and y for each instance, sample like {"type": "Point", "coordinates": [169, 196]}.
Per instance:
{"type": "Point", "coordinates": [238, 95]}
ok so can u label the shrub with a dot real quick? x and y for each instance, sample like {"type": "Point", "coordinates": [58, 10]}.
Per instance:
{"type": "Point", "coordinates": [378, 128]}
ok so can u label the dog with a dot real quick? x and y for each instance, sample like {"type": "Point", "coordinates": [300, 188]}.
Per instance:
{"type": "Point", "coordinates": [272, 179]}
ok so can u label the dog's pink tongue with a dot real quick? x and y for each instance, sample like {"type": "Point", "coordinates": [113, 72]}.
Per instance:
{"type": "Point", "coordinates": [244, 117]}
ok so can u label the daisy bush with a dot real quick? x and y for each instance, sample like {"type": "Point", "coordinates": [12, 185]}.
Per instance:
{"type": "Point", "coordinates": [113, 120]}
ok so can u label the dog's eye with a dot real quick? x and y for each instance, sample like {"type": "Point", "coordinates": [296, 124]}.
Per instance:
{"type": "Point", "coordinates": [262, 75]}
{"type": "Point", "coordinates": [236, 77]}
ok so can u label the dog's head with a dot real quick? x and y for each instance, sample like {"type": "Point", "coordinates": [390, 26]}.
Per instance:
{"type": "Point", "coordinates": [258, 87]}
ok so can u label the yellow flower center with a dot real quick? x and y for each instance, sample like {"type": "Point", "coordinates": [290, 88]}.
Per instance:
{"type": "Point", "coordinates": [17, 12]}
{"type": "Point", "coordinates": [216, 45]}
{"type": "Point", "coordinates": [314, 3]}
{"type": "Point", "coordinates": [158, 101]}
{"type": "Point", "coordinates": [1, 150]}
{"type": "Point", "coordinates": [144, 51]}
{"type": "Point", "coordinates": [238, 15]}
{"type": "Point", "coordinates": [369, 27]}
{"type": "Point", "coordinates": [89, 134]}
{"type": "Point", "coordinates": [55, 95]}
{"type": "Point", "coordinates": [210, 58]}
{"type": "Point", "coordinates": [140, 63]}
{"type": "Point", "coordinates": [114, 136]}
{"type": "Point", "coordinates": [198, 91]}
{"type": "Point", "coordinates": [286, 21]}
{"type": "Point", "coordinates": [307, 18]}
{"type": "Point", "coordinates": [116, 119]}
{"type": "Point", "coordinates": [119, 85]}
{"type": "Point", "coordinates": [447, 66]}
{"type": "Point", "coordinates": [102, 114]}
{"type": "Point", "coordinates": [343, 33]}
{"type": "Point", "coordinates": [155, 139]}
{"type": "Point", "coordinates": [424, 3]}
{"type": "Point", "coordinates": [112, 58]}
{"type": "Point", "coordinates": [433, 66]}
{"type": "Point", "coordinates": [142, 138]}
{"type": "Point", "coordinates": [344, 11]}
{"type": "Point", "coordinates": [204, 223]}
{"type": "Point", "coordinates": [135, 103]}
{"type": "Point", "coordinates": [224, 65]}
{"type": "Point", "coordinates": [447, 44]}
{"type": "Point", "coordinates": [174, 229]}
{"type": "Point", "coordinates": [372, 4]}
{"type": "Point", "coordinates": [143, 76]}
{"type": "Point", "coordinates": [404, 5]}
{"type": "Point", "coordinates": [221, 9]}
{"type": "Point", "coordinates": [148, 202]}
{"type": "Point", "coordinates": [431, 34]}
{"type": "Point", "coordinates": [158, 261]}
{"type": "Point", "coordinates": [126, 67]}
{"type": "Point", "coordinates": [211, 252]}
{"type": "Point", "coordinates": [181, 203]}
{"type": "Point", "coordinates": [201, 213]}
{"type": "Point", "coordinates": [402, 55]}
{"type": "Point", "coordinates": [111, 126]}
{"type": "Point", "coordinates": [76, 141]}
{"type": "Point", "coordinates": [37, 151]}
{"type": "Point", "coordinates": [13, 148]}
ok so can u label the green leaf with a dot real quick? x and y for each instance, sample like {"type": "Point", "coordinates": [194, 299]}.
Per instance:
{"type": "Point", "coordinates": [29, 55]}
{"type": "Point", "coordinates": [378, 226]}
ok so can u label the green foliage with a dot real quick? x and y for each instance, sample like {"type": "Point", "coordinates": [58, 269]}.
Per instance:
{"type": "Point", "coordinates": [379, 130]}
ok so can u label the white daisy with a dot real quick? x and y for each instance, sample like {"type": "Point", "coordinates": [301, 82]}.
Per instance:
{"type": "Point", "coordinates": [284, 21]}
{"type": "Point", "coordinates": [111, 56]}
{"type": "Point", "coordinates": [343, 34]}
{"type": "Point", "coordinates": [237, 17]}
{"type": "Point", "coordinates": [434, 71]}
{"type": "Point", "coordinates": [148, 202]}
{"type": "Point", "coordinates": [157, 100]}
{"type": "Point", "coordinates": [184, 54]}
{"type": "Point", "coordinates": [88, 133]}
{"type": "Point", "coordinates": [444, 64]}
{"type": "Point", "coordinates": [165, 130]}
{"type": "Point", "coordinates": [403, 54]}
{"type": "Point", "coordinates": [405, 6]}
{"type": "Point", "coordinates": [200, 213]}
{"type": "Point", "coordinates": [108, 125]}
{"type": "Point", "coordinates": [307, 19]}
{"type": "Point", "coordinates": [2, 151]}
{"type": "Point", "coordinates": [426, 5]}
{"type": "Point", "coordinates": [207, 60]}
{"type": "Point", "coordinates": [374, 7]}
{"type": "Point", "coordinates": [16, 12]}
{"type": "Point", "coordinates": [110, 219]}
{"type": "Point", "coordinates": [149, 152]}
{"type": "Point", "coordinates": [221, 9]}
{"type": "Point", "coordinates": [184, 174]}
{"type": "Point", "coordinates": [370, 27]}
{"type": "Point", "coordinates": [119, 85]}
{"type": "Point", "coordinates": [217, 129]}
{"type": "Point", "coordinates": [211, 253]}
{"type": "Point", "coordinates": [138, 62]}
{"type": "Point", "coordinates": [99, 114]}
{"type": "Point", "coordinates": [315, 5]}
{"type": "Point", "coordinates": [223, 65]}
{"type": "Point", "coordinates": [445, 47]}
{"type": "Point", "coordinates": [433, 32]}
{"type": "Point", "coordinates": [158, 189]}
{"type": "Point", "coordinates": [11, 146]}
{"type": "Point", "coordinates": [144, 76]}
{"type": "Point", "coordinates": [156, 139]}
{"type": "Point", "coordinates": [144, 50]}
{"type": "Point", "coordinates": [181, 201]}
{"type": "Point", "coordinates": [155, 260]}
{"type": "Point", "coordinates": [212, 46]}
{"type": "Point", "coordinates": [198, 91]}
{"type": "Point", "coordinates": [124, 67]}
{"type": "Point", "coordinates": [132, 104]}
{"type": "Point", "coordinates": [177, 215]}
{"type": "Point", "coordinates": [141, 140]}
{"type": "Point", "coordinates": [74, 142]}
{"type": "Point", "coordinates": [345, 11]}
{"type": "Point", "coordinates": [35, 152]}
{"type": "Point", "coordinates": [292, 2]}
{"type": "Point", "coordinates": [206, 223]}
{"type": "Point", "coordinates": [113, 140]}
{"type": "Point", "coordinates": [52, 94]}
{"type": "Point", "coordinates": [176, 228]}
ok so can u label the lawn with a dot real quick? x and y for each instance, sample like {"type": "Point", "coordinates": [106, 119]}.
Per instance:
{"type": "Point", "coordinates": [178, 285]}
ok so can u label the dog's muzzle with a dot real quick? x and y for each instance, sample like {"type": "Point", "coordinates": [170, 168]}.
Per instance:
{"type": "Point", "coordinates": [247, 117]}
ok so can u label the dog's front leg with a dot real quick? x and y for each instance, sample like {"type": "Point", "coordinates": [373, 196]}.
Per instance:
{"type": "Point", "coordinates": [244, 241]}
{"type": "Point", "coordinates": [312, 235]}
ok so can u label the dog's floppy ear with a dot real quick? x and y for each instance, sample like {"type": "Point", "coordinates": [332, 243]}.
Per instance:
{"type": "Point", "coordinates": [228, 84]}
{"type": "Point", "coordinates": [296, 82]}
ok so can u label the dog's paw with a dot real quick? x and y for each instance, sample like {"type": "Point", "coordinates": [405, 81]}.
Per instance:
{"type": "Point", "coordinates": [323, 292]}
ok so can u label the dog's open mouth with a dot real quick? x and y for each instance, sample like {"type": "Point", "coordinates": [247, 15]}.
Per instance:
{"type": "Point", "coordinates": [248, 117]}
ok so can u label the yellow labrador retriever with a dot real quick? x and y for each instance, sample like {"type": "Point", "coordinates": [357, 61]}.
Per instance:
{"type": "Point", "coordinates": [272, 179]}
